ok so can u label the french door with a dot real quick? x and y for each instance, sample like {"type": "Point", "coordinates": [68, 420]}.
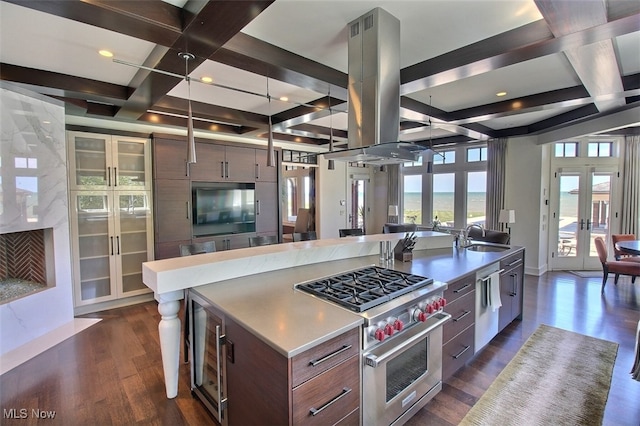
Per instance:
{"type": "Point", "coordinates": [356, 204]}
{"type": "Point", "coordinates": [584, 203]}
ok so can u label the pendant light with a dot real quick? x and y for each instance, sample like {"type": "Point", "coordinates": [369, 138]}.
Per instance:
{"type": "Point", "coordinates": [191, 142]}
{"type": "Point", "coordinates": [330, 165]}
{"type": "Point", "coordinates": [430, 162]}
{"type": "Point", "coordinates": [271, 155]}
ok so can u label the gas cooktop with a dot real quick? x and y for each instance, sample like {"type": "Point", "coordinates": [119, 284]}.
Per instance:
{"type": "Point", "coordinates": [362, 289]}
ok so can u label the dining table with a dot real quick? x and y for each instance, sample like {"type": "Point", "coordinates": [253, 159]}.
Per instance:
{"type": "Point", "coordinates": [630, 246]}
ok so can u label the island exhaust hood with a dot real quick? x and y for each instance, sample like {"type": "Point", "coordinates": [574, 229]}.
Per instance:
{"type": "Point", "coordinates": [374, 93]}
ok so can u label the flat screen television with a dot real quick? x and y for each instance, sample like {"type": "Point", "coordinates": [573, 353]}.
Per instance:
{"type": "Point", "coordinates": [223, 208]}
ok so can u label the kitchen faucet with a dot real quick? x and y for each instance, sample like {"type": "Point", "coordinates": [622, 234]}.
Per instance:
{"type": "Point", "coordinates": [465, 232]}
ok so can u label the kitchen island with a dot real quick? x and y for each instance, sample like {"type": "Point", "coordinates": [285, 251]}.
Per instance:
{"type": "Point", "coordinates": [169, 278]}
{"type": "Point", "coordinates": [240, 274]}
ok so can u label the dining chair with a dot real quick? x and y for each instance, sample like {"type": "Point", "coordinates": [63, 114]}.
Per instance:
{"type": "Point", "coordinates": [305, 236]}
{"type": "Point", "coordinates": [399, 228]}
{"type": "Point", "coordinates": [619, 254]}
{"type": "Point", "coordinates": [617, 267]}
{"type": "Point", "coordinates": [263, 240]}
{"type": "Point", "coordinates": [190, 250]}
{"type": "Point", "coordinates": [350, 232]}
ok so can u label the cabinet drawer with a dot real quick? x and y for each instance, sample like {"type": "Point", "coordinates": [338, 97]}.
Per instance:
{"type": "Point", "coordinates": [331, 395]}
{"type": "Point", "coordinates": [353, 419]}
{"type": "Point", "coordinates": [460, 287]}
{"type": "Point", "coordinates": [462, 312]}
{"type": "Point", "coordinates": [324, 356]}
{"type": "Point", "coordinates": [457, 352]}
{"type": "Point", "coordinates": [512, 260]}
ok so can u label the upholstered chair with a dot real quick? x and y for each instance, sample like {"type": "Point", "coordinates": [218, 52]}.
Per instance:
{"type": "Point", "coordinates": [617, 267]}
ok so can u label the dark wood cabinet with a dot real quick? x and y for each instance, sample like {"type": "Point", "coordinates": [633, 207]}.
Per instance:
{"type": "Point", "coordinates": [216, 162]}
{"type": "Point", "coordinates": [172, 210]}
{"type": "Point", "coordinates": [267, 208]}
{"type": "Point", "coordinates": [170, 159]}
{"type": "Point", "coordinates": [511, 289]}
{"type": "Point", "coordinates": [458, 333]}
{"type": "Point", "coordinates": [265, 387]}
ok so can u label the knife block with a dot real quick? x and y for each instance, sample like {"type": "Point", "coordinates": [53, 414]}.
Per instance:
{"type": "Point", "coordinates": [403, 256]}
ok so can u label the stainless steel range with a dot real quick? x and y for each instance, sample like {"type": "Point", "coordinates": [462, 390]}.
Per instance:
{"type": "Point", "coordinates": [402, 337]}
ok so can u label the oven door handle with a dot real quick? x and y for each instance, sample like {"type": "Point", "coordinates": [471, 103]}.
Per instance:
{"type": "Point", "coordinates": [373, 361]}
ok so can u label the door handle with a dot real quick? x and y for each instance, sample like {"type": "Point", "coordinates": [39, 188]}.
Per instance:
{"type": "Point", "coordinates": [226, 166]}
{"type": "Point", "coordinates": [581, 224]}
{"type": "Point", "coordinates": [257, 207]}
{"type": "Point", "coordinates": [111, 246]}
{"type": "Point", "coordinates": [588, 224]}
{"type": "Point", "coordinates": [222, 169]}
{"type": "Point", "coordinates": [108, 176]}
{"type": "Point", "coordinates": [115, 176]}
{"type": "Point", "coordinates": [257, 171]}
{"type": "Point", "coordinates": [118, 245]}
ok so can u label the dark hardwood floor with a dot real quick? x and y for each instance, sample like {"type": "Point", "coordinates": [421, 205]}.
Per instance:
{"type": "Point", "coordinates": [111, 373]}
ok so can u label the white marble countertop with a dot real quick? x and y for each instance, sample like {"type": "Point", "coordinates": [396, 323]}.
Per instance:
{"type": "Point", "coordinates": [179, 273]}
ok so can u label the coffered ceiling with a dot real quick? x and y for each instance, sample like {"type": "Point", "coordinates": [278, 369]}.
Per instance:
{"type": "Point", "coordinates": [560, 62]}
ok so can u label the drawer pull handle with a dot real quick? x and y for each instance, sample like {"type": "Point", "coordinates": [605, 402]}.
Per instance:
{"type": "Point", "coordinates": [515, 262]}
{"type": "Point", "coordinates": [466, 348]}
{"type": "Point", "coordinates": [314, 411]}
{"type": "Point", "coordinates": [331, 355]}
{"type": "Point", "coordinates": [462, 288]}
{"type": "Point", "coordinates": [464, 314]}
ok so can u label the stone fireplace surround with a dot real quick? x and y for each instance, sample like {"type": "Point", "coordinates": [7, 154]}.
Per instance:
{"type": "Point", "coordinates": [33, 152]}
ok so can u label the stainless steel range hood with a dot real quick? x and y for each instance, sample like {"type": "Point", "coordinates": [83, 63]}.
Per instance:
{"type": "Point", "coordinates": [374, 93]}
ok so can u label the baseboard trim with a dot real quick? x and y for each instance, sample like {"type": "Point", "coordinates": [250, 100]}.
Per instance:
{"type": "Point", "coordinates": [112, 304]}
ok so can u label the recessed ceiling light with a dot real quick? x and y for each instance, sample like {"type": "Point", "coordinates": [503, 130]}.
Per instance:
{"type": "Point", "coordinates": [284, 98]}
{"type": "Point", "coordinates": [501, 94]}
{"type": "Point", "coordinates": [106, 53]}
{"type": "Point", "coordinates": [206, 80]}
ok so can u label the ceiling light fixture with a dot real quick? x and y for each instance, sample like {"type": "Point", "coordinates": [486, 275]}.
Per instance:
{"type": "Point", "coordinates": [105, 53]}
{"type": "Point", "coordinates": [271, 156]}
{"type": "Point", "coordinates": [191, 141]}
{"type": "Point", "coordinates": [331, 165]}
{"type": "Point", "coordinates": [500, 94]}
{"type": "Point", "coordinates": [207, 79]}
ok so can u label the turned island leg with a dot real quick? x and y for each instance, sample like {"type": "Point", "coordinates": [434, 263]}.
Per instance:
{"type": "Point", "coordinates": [169, 329]}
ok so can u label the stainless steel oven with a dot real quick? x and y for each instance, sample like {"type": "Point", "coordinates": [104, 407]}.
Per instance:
{"type": "Point", "coordinates": [401, 375]}
{"type": "Point", "coordinates": [402, 337]}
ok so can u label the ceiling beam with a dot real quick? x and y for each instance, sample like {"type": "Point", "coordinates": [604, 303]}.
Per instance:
{"type": "Point", "coordinates": [595, 63]}
{"type": "Point", "coordinates": [484, 56]}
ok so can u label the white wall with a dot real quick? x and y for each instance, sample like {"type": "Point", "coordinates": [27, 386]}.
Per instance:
{"type": "Point", "coordinates": [331, 192]}
{"type": "Point", "coordinates": [526, 182]}
{"type": "Point", "coordinates": [33, 127]}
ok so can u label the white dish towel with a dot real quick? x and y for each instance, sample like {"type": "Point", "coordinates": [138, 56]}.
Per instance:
{"type": "Point", "coordinates": [494, 291]}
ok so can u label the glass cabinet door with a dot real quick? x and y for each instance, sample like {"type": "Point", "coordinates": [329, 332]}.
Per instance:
{"type": "Point", "coordinates": [131, 170]}
{"type": "Point", "coordinates": [89, 160]}
{"type": "Point", "coordinates": [95, 246]}
{"type": "Point", "coordinates": [132, 234]}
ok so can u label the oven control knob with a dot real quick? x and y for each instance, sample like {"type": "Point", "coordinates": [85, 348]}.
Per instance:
{"type": "Point", "coordinates": [379, 334]}
{"type": "Point", "coordinates": [398, 325]}
{"type": "Point", "coordinates": [443, 302]}
{"type": "Point", "coordinates": [435, 305]}
{"type": "Point", "coordinates": [421, 316]}
{"type": "Point", "coordinates": [388, 329]}
{"type": "Point", "coordinates": [430, 308]}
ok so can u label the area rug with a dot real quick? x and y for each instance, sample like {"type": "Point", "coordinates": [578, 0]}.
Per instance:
{"type": "Point", "coordinates": [590, 274]}
{"type": "Point", "coordinates": [557, 378]}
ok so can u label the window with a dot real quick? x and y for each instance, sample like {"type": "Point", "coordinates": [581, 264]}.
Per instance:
{"type": "Point", "coordinates": [599, 149]}
{"type": "Point", "coordinates": [26, 163]}
{"type": "Point", "coordinates": [292, 204]}
{"type": "Point", "coordinates": [412, 196]}
{"type": "Point", "coordinates": [445, 157]}
{"type": "Point", "coordinates": [476, 197]}
{"type": "Point", "coordinates": [476, 154]}
{"type": "Point", "coordinates": [566, 149]}
{"type": "Point", "coordinates": [444, 197]}
{"type": "Point", "coordinates": [413, 163]}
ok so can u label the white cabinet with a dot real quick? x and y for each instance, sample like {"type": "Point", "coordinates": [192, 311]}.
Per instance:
{"type": "Point", "coordinates": [99, 161]}
{"type": "Point", "coordinates": [111, 235]}
{"type": "Point", "coordinates": [111, 216]}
